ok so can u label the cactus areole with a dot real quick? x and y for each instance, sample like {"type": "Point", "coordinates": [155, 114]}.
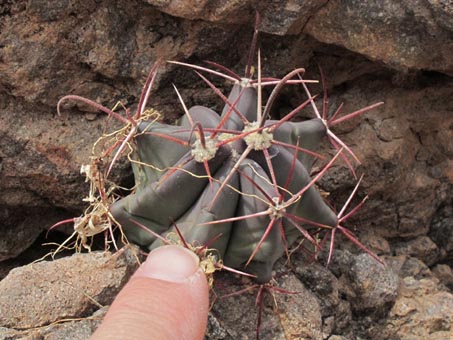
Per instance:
{"type": "Point", "coordinates": [235, 178]}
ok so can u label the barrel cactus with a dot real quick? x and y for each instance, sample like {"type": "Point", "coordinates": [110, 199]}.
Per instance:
{"type": "Point", "coordinates": [238, 181]}
{"type": "Point", "coordinates": [237, 178]}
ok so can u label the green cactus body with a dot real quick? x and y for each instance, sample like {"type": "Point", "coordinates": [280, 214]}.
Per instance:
{"type": "Point", "coordinates": [175, 188]}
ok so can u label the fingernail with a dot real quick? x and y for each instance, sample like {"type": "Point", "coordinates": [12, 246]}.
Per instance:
{"type": "Point", "coordinates": [169, 263]}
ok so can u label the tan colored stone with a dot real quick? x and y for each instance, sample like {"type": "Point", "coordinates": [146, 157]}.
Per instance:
{"type": "Point", "coordinates": [421, 312]}
{"type": "Point", "coordinates": [73, 287]}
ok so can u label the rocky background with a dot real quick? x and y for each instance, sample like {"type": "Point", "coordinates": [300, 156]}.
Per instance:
{"type": "Point", "coordinates": [399, 52]}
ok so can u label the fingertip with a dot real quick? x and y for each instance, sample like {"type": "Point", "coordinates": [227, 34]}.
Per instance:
{"type": "Point", "coordinates": [167, 298]}
{"type": "Point", "coordinates": [171, 263]}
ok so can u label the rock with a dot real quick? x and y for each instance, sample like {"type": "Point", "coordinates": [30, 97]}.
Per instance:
{"type": "Point", "coordinates": [376, 243]}
{"type": "Point", "coordinates": [440, 230]}
{"type": "Point", "coordinates": [73, 287]}
{"type": "Point", "coordinates": [374, 286]}
{"type": "Point", "coordinates": [421, 311]}
{"type": "Point", "coordinates": [74, 330]}
{"type": "Point", "coordinates": [320, 281]}
{"type": "Point", "coordinates": [277, 17]}
{"type": "Point", "coordinates": [215, 330]}
{"type": "Point", "coordinates": [444, 274]}
{"type": "Point", "coordinates": [284, 316]}
{"type": "Point", "coordinates": [40, 159]}
{"type": "Point", "coordinates": [299, 314]}
{"type": "Point", "coordinates": [423, 248]}
{"type": "Point", "coordinates": [336, 312]}
{"type": "Point", "coordinates": [238, 314]}
{"type": "Point", "coordinates": [227, 11]}
{"type": "Point", "coordinates": [395, 263]}
{"type": "Point", "coordinates": [17, 238]}
{"type": "Point", "coordinates": [402, 34]}
{"type": "Point", "coordinates": [413, 267]}
{"type": "Point", "coordinates": [405, 192]}
{"type": "Point", "coordinates": [337, 337]}
{"type": "Point", "coordinates": [343, 318]}
{"type": "Point", "coordinates": [407, 266]}
{"type": "Point", "coordinates": [287, 16]}
{"type": "Point", "coordinates": [33, 253]}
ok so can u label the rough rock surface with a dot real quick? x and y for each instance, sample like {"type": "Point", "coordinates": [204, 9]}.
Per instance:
{"type": "Point", "coordinates": [291, 315]}
{"type": "Point", "coordinates": [374, 285]}
{"type": "Point", "coordinates": [402, 34]}
{"type": "Point", "coordinates": [406, 157]}
{"type": "Point", "coordinates": [77, 285]}
{"type": "Point", "coordinates": [277, 17]}
{"type": "Point", "coordinates": [441, 230]}
{"type": "Point", "coordinates": [396, 52]}
{"type": "Point", "coordinates": [421, 312]}
{"type": "Point", "coordinates": [444, 273]}
{"type": "Point", "coordinates": [421, 247]}
{"type": "Point", "coordinates": [80, 329]}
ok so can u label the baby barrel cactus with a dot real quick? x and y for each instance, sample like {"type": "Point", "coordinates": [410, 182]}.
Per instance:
{"type": "Point", "coordinates": [238, 181]}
